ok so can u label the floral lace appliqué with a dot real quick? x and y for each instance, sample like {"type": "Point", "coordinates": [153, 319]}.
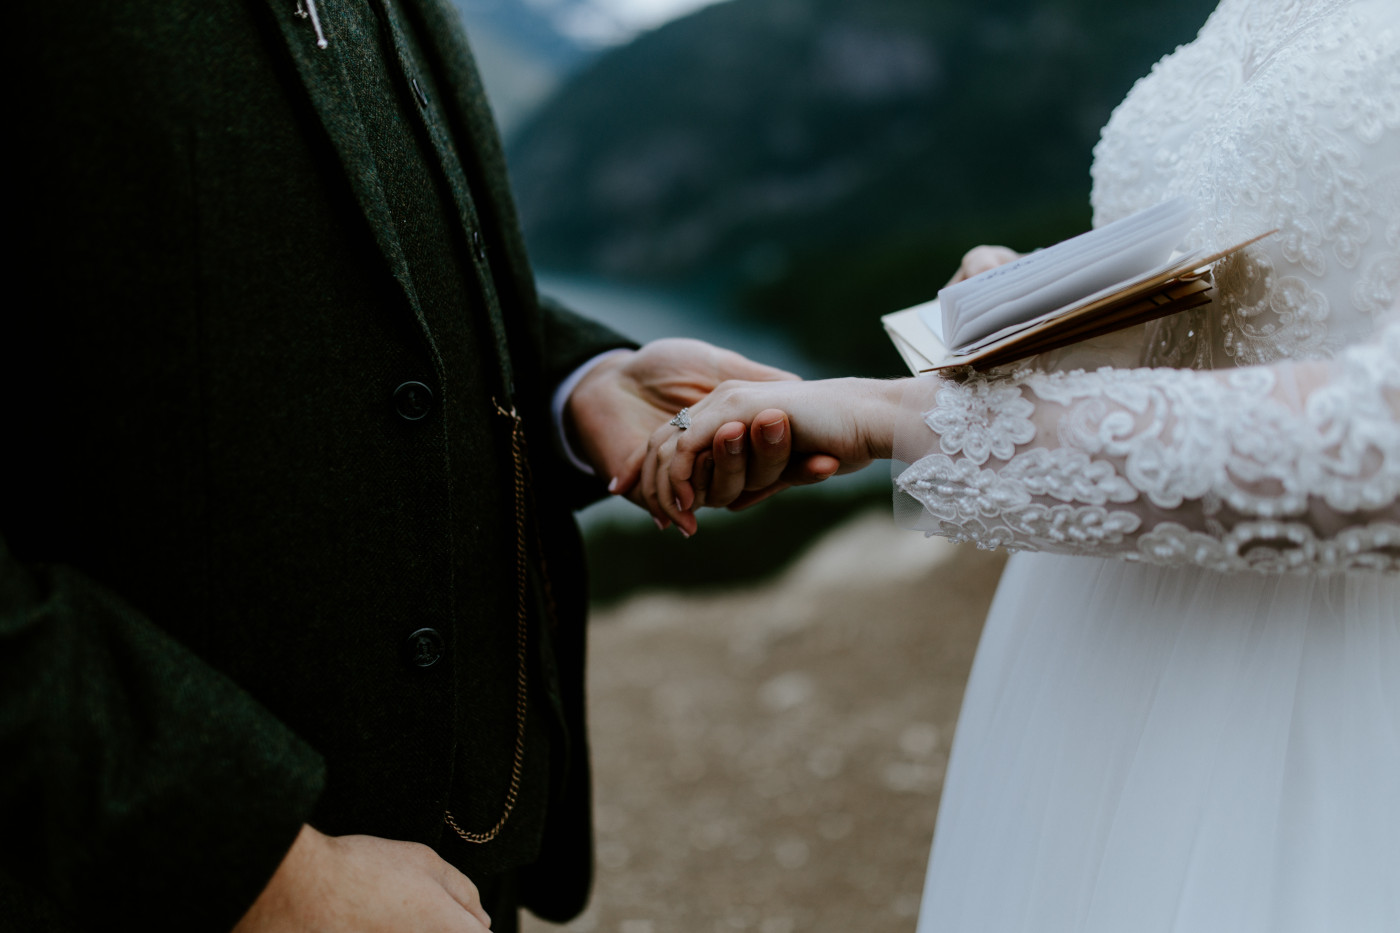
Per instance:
{"type": "Point", "coordinates": [981, 419]}
{"type": "Point", "coordinates": [1280, 115]}
{"type": "Point", "coordinates": [1263, 469]}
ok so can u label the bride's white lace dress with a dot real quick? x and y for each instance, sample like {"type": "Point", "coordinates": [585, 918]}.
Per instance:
{"type": "Point", "coordinates": [1185, 710]}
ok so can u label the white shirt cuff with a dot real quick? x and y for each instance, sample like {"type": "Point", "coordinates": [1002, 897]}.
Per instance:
{"type": "Point", "coordinates": [561, 398]}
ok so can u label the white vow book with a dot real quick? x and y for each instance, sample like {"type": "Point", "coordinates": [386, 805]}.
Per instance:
{"type": "Point", "coordinates": [1119, 275]}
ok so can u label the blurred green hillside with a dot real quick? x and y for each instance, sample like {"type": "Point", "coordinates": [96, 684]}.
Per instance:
{"type": "Point", "coordinates": [814, 163]}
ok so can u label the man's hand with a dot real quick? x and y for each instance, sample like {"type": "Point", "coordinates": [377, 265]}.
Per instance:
{"type": "Point", "coordinates": [617, 406]}
{"type": "Point", "coordinates": [363, 884]}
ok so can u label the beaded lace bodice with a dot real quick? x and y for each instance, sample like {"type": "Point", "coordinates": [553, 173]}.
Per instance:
{"type": "Point", "coordinates": [1261, 431]}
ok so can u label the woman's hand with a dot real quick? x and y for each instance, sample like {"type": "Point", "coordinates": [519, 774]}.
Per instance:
{"type": "Point", "coordinates": [748, 463]}
{"type": "Point", "coordinates": [981, 259]}
{"type": "Point", "coordinates": [850, 420]}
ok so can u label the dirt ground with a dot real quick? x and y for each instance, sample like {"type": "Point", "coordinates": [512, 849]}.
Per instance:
{"type": "Point", "coordinates": [768, 760]}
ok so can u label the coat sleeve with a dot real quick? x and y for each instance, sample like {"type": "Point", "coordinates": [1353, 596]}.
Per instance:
{"type": "Point", "coordinates": [138, 783]}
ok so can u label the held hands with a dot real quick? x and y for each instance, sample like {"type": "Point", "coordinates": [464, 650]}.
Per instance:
{"type": "Point", "coordinates": [615, 408]}
{"type": "Point", "coordinates": [851, 421]}
{"type": "Point", "coordinates": [364, 884]}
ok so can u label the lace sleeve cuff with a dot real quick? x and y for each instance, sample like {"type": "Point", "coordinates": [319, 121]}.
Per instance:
{"type": "Point", "coordinates": [1294, 466]}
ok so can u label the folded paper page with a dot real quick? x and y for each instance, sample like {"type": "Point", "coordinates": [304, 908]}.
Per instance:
{"type": "Point", "coordinates": [1048, 279]}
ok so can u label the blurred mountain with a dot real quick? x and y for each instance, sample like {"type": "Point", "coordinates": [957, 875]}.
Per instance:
{"type": "Point", "coordinates": [522, 52]}
{"type": "Point", "coordinates": [817, 162]}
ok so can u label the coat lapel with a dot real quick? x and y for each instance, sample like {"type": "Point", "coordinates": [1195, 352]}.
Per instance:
{"type": "Point", "coordinates": [322, 73]}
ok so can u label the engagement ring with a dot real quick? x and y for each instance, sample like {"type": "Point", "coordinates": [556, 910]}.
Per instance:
{"type": "Point", "coordinates": [682, 419]}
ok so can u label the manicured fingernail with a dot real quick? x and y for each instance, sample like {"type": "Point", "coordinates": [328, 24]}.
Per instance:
{"type": "Point", "coordinates": [612, 485]}
{"type": "Point", "coordinates": [684, 533]}
{"type": "Point", "coordinates": [660, 525]}
{"type": "Point", "coordinates": [773, 433]}
{"type": "Point", "coordinates": [679, 507]}
{"type": "Point", "coordinates": [735, 445]}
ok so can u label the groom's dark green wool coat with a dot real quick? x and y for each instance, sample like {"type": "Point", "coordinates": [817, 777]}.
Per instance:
{"type": "Point", "coordinates": [259, 505]}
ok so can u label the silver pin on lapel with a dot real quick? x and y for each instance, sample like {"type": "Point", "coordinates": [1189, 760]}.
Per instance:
{"type": "Point", "coordinates": [307, 8]}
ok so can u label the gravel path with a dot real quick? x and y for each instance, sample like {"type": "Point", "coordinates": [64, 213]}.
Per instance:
{"type": "Point", "coordinates": [768, 760]}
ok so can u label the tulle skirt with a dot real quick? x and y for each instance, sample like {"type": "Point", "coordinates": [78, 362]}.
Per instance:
{"type": "Point", "coordinates": [1146, 750]}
